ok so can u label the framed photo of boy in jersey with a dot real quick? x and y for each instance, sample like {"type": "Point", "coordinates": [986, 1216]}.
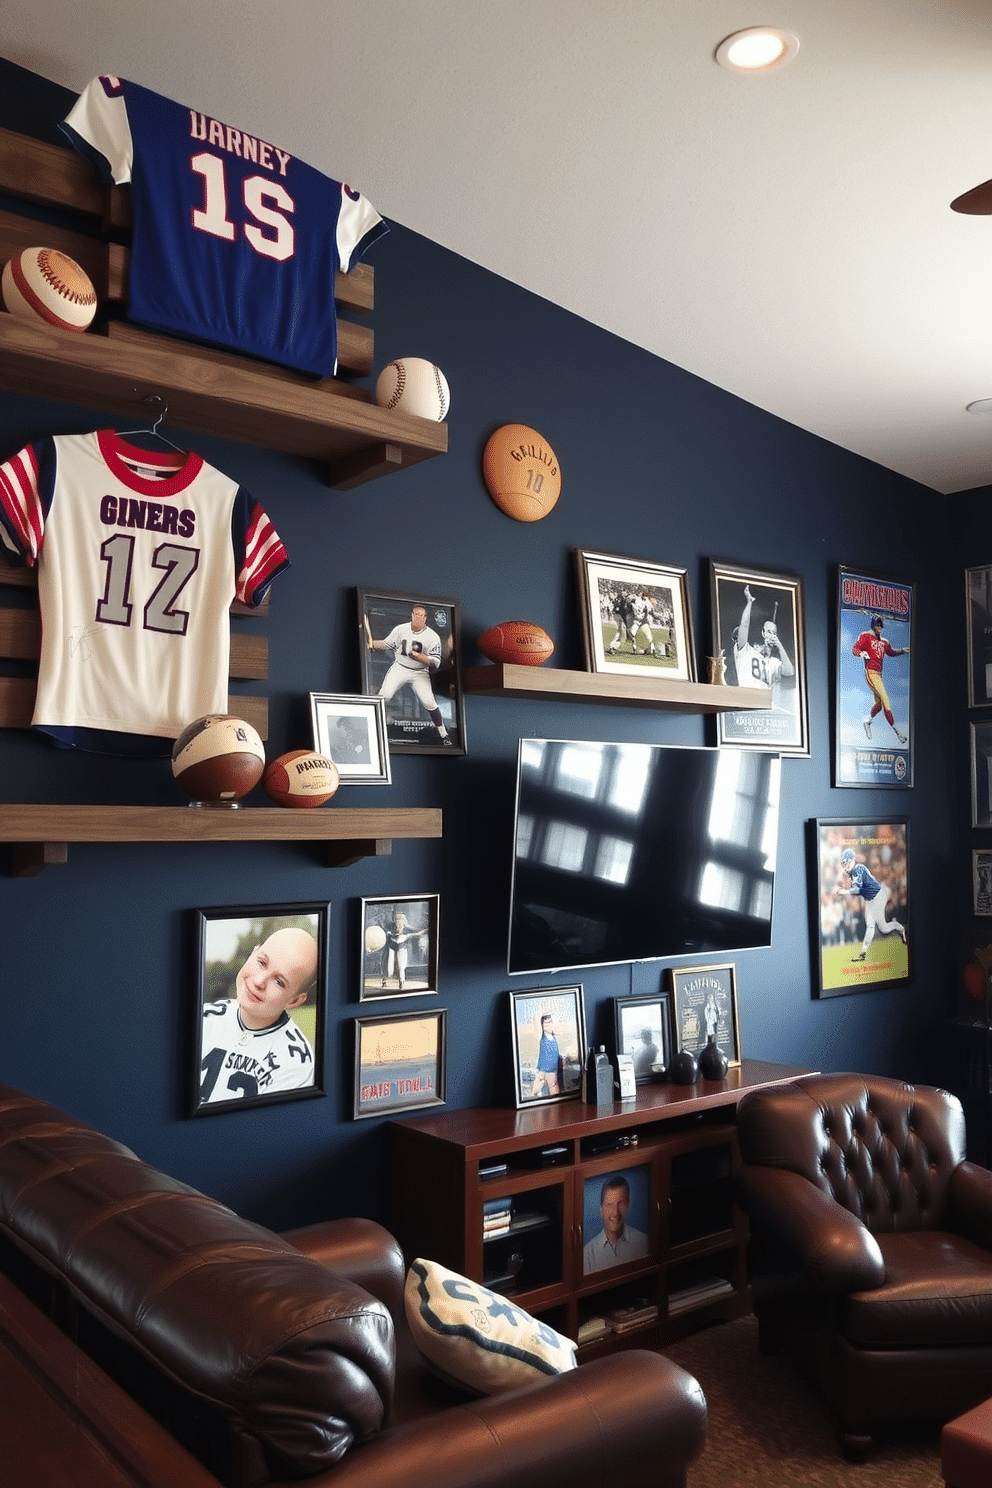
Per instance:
{"type": "Point", "coordinates": [859, 905]}
{"type": "Point", "coordinates": [636, 617]}
{"type": "Point", "coordinates": [873, 725]}
{"type": "Point", "coordinates": [259, 1015]}
{"type": "Point", "coordinates": [409, 649]}
{"type": "Point", "coordinates": [549, 1045]}
{"type": "Point", "coordinates": [759, 638]}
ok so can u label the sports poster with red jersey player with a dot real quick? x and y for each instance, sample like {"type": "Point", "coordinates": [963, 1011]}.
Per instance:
{"type": "Point", "coordinates": [873, 743]}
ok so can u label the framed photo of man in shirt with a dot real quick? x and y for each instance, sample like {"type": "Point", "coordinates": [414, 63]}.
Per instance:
{"type": "Point", "coordinates": [873, 725]}
{"type": "Point", "coordinates": [616, 1217]}
{"type": "Point", "coordinates": [549, 1044]}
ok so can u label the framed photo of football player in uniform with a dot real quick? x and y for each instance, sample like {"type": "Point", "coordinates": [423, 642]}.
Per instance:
{"type": "Point", "coordinates": [859, 905]}
{"type": "Point", "coordinates": [873, 727]}
{"type": "Point", "coordinates": [259, 1015]}
{"type": "Point", "coordinates": [759, 634]}
{"type": "Point", "coordinates": [409, 649]}
{"type": "Point", "coordinates": [636, 618]}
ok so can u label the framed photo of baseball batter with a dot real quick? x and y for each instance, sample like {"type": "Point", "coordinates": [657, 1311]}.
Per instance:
{"type": "Point", "coordinates": [259, 1017]}
{"type": "Point", "coordinates": [705, 999]}
{"type": "Point", "coordinates": [759, 633]}
{"type": "Point", "coordinates": [409, 647]}
{"type": "Point", "coordinates": [859, 905]}
{"type": "Point", "coordinates": [400, 1063]}
{"type": "Point", "coordinates": [873, 727]}
{"type": "Point", "coordinates": [549, 1044]}
{"type": "Point", "coordinates": [636, 618]}
{"type": "Point", "coordinates": [399, 946]}
{"type": "Point", "coordinates": [351, 731]}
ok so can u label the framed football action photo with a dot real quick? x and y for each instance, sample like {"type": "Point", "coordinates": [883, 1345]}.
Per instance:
{"type": "Point", "coordinates": [636, 618]}
{"type": "Point", "coordinates": [873, 727]}
{"type": "Point", "coordinates": [351, 731]}
{"type": "Point", "coordinates": [409, 648]}
{"type": "Point", "coordinates": [259, 1014]}
{"type": "Point", "coordinates": [400, 1062]}
{"type": "Point", "coordinates": [759, 633]}
{"type": "Point", "coordinates": [978, 603]}
{"type": "Point", "coordinates": [644, 1031]}
{"type": "Point", "coordinates": [859, 905]}
{"type": "Point", "coordinates": [549, 1045]}
{"type": "Point", "coordinates": [705, 999]}
{"type": "Point", "coordinates": [399, 946]}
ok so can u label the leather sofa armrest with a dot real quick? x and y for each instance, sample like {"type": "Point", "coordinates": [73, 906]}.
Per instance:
{"type": "Point", "coordinates": [597, 1424]}
{"type": "Point", "coordinates": [969, 1197]}
{"type": "Point", "coordinates": [361, 1251]}
{"type": "Point", "coordinates": [837, 1252]}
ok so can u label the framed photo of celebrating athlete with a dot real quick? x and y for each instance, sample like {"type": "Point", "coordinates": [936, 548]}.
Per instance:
{"type": "Point", "coordinates": [759, 633]}
{"type": "Point", "coordinates": [352, 732]}
{"type": "Point", "coordinates": [549, 1045]}
{"type": "Point", "coordinates": [409, 648]}
{"type": "Point", "coordinates": [859, 905]}
{"type": "Point", "coordinates": [636, 618]}
{"type": "Point", "coordinates": [399, 946]}
{"type": "Point", "coordinates": [261, 998]}
{"type": "Point", "coordinates": [400, 1062]}
{"type": "Point", "coordinates": [873, 726]}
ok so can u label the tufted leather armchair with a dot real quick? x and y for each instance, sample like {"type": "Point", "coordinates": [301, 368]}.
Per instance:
{"type": "Point", "coordinates": [871, 1246]}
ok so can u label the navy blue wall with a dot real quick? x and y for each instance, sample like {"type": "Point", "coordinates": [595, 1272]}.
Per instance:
{"type": "Point", "coordinates": [98, 976]}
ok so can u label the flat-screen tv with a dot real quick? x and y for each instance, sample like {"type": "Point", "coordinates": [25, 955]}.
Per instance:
{"type": "Point", "coordinates": [640, 852]}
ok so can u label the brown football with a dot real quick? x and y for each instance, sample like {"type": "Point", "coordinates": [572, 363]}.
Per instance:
{"type": "Point", "coordinates": [519, 641]}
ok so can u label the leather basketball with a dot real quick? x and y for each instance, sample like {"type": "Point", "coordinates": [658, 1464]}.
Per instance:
{"type": "Point", "coordinates": [521, 472]}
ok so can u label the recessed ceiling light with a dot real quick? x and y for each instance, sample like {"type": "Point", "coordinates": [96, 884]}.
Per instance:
{"type": "Point", "coordinates": [980, 405]}
{"type": "Point", "coordinates": [757, 49]}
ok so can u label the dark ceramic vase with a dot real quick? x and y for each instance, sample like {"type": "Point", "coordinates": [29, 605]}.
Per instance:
{"type": "Point", "coordinates": [712, 1061]}
{"type": "Point", "coordinates": [683, 1069]}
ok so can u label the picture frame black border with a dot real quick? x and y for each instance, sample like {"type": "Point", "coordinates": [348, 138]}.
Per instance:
{"type": "Point", "coordinates": [362, 1112]}
{"type": "Point", "coordinates": [322, 705]}
{"type": "Point", "coordinates": [724, 973]}
{"type": "Point", "coordinates": [978, 621]}
{"type": "Point", "coordinates": [404, 601]}
{"type": "Point", "coordinates": [980, 742]}
{"type": "Point", "coordinates": [756, 730]}
{"type": "Point", "coordinates": [860, 827]}
{"type": "Point", "coordinates": [662, 1000]}
{"type": "Point", "coordinates": [981, 901]}
{"type": "Point", "coordinates": [201, 920]}
{"type": "Point", "coordinates": [902, 764]}
{"type": "Point", "coordinates": [368, 917]}
{"type": "Point", "coordinates": [574, 989]}
{"type": "Point", "coordinates": [634, 571]}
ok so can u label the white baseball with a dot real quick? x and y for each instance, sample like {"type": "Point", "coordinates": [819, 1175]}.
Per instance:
{"type": "Point", "coordinates": [44, 284]}
{"type": "Point", "coordinates": [414, 386]}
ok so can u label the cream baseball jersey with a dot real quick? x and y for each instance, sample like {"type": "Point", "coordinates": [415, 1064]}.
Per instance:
{"type": "Point", "coordinates": [235, 242]}
{"type": "Point", "coordinates": [139, 558]}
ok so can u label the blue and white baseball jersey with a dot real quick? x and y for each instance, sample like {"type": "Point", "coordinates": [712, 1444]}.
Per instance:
{"type": "Point", "coordinates": [864, 882]}
{"type": "Point", "coordinates": [236, 1062]}
{"type": "Point", "coordinates": [235, 241]}
{"type": "Point", "coordinates": [139, 557]}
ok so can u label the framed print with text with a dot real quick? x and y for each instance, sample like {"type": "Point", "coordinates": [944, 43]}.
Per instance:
{"type": "Point", "coordinates": [759, 629]}
{"type": "Point", "coordinates": [644, 1031]}
{"type": "Point", "coordinates": [705, 1000]}
{"type": "Point", "coordinates": [873, 727]}
{"type": "Point", "coordinates": [636, 618]}
{"type": "Point", "coordinates": [351, 731]}
{"type": "Point", "coordinates": [400, 1062]}
{"type": "Point", "coordinates": [409, 648]}
{"type": "Point", "coordinates": [859, 905]}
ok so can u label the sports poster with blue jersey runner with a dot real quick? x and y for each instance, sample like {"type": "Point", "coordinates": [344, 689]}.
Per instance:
{"type": "Point", "coordinates": [860, 905]}
{"type": "Point", "coordinates": [874, 723]}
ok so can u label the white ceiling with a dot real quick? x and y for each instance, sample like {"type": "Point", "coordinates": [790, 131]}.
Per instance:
{"type": "Point", "coordinates": [786, 237]}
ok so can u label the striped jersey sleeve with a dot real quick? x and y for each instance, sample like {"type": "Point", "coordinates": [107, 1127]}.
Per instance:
{"type": "Point", "coordinates": [26, 485]}
{"type": "Point", "coordinates": [259, 551]}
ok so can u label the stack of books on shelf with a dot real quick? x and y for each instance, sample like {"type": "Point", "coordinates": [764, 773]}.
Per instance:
{"type": "Point", "coordinates": [497, 1216]}
{"type": "Point", "coordinates": [695, 1289]}
{"type": "Point", "coordinates": [592, 1327]}
{"type": "Point", "coordinates": [633, 1315]}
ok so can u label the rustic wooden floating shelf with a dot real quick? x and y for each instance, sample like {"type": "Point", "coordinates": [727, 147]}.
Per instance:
{"type": "Point", "coordinates": [40, 835]}
{"type": "Point", "coordinates": [508, 679]}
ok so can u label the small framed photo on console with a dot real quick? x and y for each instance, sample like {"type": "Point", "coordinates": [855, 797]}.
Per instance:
{"type": "Point", "coordinates": [644, 1031]}
{"type": "Point", "coordinates": [261, 996]}
{"type": "Point", "coordinates": [549, 1044]}
{"type": "Point", "coordinates": [706, 1003]}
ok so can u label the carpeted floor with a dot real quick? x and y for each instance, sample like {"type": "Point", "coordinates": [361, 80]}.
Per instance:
{"type": "Point", "coordinates": [768, 1428]}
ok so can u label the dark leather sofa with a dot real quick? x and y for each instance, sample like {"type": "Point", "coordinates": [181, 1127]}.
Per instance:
{"type": "Point", "coordinates": [275, 1359]}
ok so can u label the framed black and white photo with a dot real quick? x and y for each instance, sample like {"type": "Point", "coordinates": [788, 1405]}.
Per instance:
{"type": "Point", "coordinates": [351, 731]}
{"type": "Point", "coordinates": [981, 881]}
{"type": "Point", "coordinates": [873, 727]}
{"type": "Point", "coordinates": [980, 738]}
{"type": "Point", "coordinates": [409, 649]}
{"type": "Point", "coordinates": [261, 999]}
{"type": "Point", "coordinates": [644, 1031]}
{"type": "Point", "coordinates": [400, 1062]}
{"type": "Point", "coordinates": [978, 602]}
{"type": "Point", "coordinates": [549, 1044]}
{"type": "Point", "coordinates": [705, 999]}
{"type": "Point", "coordinates": [399, 948]}
{"type": "Point", "coordinates": [636, 617]}
{"type": "Point", "coordinates": [859, 904]}
{"type": "Point", "coordinates": [759, 634]}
